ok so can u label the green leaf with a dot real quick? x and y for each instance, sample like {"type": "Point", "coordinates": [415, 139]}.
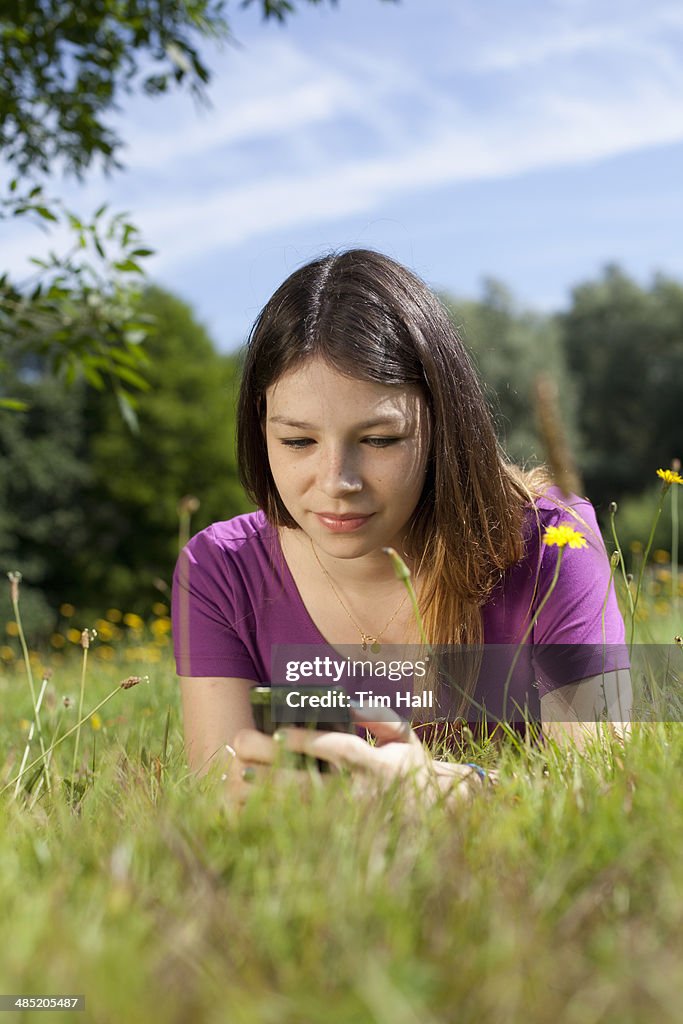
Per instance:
{"type": "Point", "coordinates": [93, 376]}
{"type": "Point", "coordinates": [128, 267]}
{"type": "Point", "coordinates": [127, 411]}
{"type": "Point", "coordinates": [14, 404]}
{"type": "Point", "coordinates": [46, 214]}
{"type": "Point", "coordinates": [131, 377]}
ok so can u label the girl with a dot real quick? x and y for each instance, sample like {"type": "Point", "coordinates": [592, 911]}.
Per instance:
{"type": "Point", "coordinates": [362, 425]}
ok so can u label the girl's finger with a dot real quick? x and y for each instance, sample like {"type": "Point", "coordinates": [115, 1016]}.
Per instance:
{"type": "Point", "coordinates": [384, 724]}
{"type": "Point", "coordinates": [252, 745]}
{"type": "Point", "coordinates": [344, 750]}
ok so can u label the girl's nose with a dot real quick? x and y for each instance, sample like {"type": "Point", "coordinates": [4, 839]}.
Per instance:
{"type": "Point", "coordinates": [339, 475]}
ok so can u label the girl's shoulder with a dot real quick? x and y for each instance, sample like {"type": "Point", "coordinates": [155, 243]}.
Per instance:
{"type": "Point", "coordinates": [236, 536]}
{"type": "Point", "coordinates": [554, 507]}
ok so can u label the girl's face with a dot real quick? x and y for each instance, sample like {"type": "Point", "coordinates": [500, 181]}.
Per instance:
{"type": "Point", "coordinates": [340, 447]}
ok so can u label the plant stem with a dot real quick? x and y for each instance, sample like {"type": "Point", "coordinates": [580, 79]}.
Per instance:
{"type": "Point", "coordinates": [531, 625]}
{"type": "Point", "coordinates": [49, 759]}
{"type": "Point", "coordinates": [651, 538]}
{"type": "Point", "coordinates": [80, 708]}
{"type": "Point", "coordinates": [60, 740]}
{"type": "Point", "coordinates": [403, 573]}
{"type": "Point", "coordinates": [674, 552]}
{"type": "Point", "coordinates": [621, 560]}
{"type": "Point", "coordinates": [30, 737]}
{"type": "Point", "coordinates": [29, 673]}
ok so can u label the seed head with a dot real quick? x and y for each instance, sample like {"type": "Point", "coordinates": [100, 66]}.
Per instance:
{"type": "Point", "coordinates": [133, 681]}
{"type": "Point", "coordinates": [613, 508]}
{"type": "Point", "coordinates": [400, 568]}
{"type": "Point", "coordinates": [14, 581]}
{"type": "Point", "coordinates": [87, 637]}
{"type": "Point", "coordinates": [188, 505]}
{"type": "Point", "coordinates": [614, 560]}
{"type": "Point", "coordinates": [676, 465]}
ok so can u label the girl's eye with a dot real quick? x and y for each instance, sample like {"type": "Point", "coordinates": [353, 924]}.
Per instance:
{"type": "Point", "coordinates": [303, 442]}
{"type": "Point", "coordinates": [296, 442]}
{"type": "Point", "coordinates": [382, 442]}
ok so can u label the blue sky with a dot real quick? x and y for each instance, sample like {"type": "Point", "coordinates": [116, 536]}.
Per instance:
{"type": "Point", "coordinates": [533, 142]}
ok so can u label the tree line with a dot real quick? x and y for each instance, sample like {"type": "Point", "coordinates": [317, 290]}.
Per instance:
{"type": "Point", "coordinates": [89, 511]}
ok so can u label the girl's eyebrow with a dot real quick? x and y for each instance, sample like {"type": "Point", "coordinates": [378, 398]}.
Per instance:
{"type": "Point", "coordinates": [393, 421]}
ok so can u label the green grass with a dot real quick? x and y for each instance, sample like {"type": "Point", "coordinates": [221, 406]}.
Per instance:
{"type": "Point", "coordinates": [554, 897]}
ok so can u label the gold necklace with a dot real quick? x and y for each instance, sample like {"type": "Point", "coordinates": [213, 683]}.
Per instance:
{"type": "Point", "coordinates": [367, 639]}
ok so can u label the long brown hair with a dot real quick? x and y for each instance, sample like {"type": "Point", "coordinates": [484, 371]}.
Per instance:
{"type": "Point", "coordinates": [372, 319]}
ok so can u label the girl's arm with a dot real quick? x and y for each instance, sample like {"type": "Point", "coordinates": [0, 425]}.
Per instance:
{"type": "Point", "coordinates": [572, 714]}
{"type": "Point", "coordinates": [214, 711]}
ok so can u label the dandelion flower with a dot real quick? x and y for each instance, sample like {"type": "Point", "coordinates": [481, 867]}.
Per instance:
{"type": "Point", "coordinates": [564, 536]}
{"type": "Point", "coordinates": [96, 722]}
{"type": "Point", "coordinates": [670, 477]}
{"type": "Point", "coordinates": [133, 621]}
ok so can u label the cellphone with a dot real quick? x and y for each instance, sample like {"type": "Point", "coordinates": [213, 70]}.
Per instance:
{"type": "Point", "coordinates": [271, 709]}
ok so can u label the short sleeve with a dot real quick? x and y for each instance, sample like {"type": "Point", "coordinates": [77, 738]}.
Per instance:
{"type": "Point", "coordinates": [206, 640]}
{"type": "Point", "coordinates": [579, 632]}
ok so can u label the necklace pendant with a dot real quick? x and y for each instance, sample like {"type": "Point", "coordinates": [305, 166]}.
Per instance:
{"type": "Point", "coordinates": [367, 641]}
{"type": "Point", "coordinates": [375, 648]}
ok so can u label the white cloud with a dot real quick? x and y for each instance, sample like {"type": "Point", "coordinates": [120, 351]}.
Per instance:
{"type": "Point", "coordinates": [398, 129]}
{"type": "Point", "coordinates": [291, 92]}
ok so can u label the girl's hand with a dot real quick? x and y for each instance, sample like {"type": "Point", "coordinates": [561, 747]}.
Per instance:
{"type": "Point", "coordinates": [397, 753]}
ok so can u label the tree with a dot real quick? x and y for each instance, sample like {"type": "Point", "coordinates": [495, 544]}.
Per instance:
{"type": "Point", "coordinates": [43, 476]}
{"type": "Point", "coordinates": [185, 446]}
{"type": "Point", "coordinates": [64, 66]}
{"type": "Point", "coordinates": [624, 347]}
{"type": "Point", "coordinates": [90, 515]}
{"type": "Point", "coordinates": [510, 347]}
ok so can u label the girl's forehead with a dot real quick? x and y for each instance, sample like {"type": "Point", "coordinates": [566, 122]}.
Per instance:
{"type": "Point", "coordinates": [315, 380]}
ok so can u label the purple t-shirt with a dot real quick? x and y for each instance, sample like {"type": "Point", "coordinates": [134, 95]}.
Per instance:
{"type": "Point", "coordinates": [234, 598]}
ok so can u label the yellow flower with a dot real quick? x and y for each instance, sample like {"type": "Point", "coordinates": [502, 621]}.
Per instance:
{"type": "Point", "coordinates": [96, 722]}
{"type": "Point", "coordinates": [114, 615]}
{"type": "Point", "coordinates": [564, 535]}
{"type": "Point", "coordinates": [67, 610]}
{"type": "Point", "coordinates": [133, 621]}
{"type": "Point", "coordinates": [670, 477]}
{"type": "Point", "coordinates": [11, 629]}
{"type": "Point", "coordinates": [160, 609]}
{"type": "Point", "coordinates": [6, 653]}
{"type": "Point", "coordinates": [73, 635]}
{"type": "Point", "coordinates": [57, 640]}
{"type": "Point", "coordinates": [160, 627]}
{"type": "Point", "coordinates": [105, 630]}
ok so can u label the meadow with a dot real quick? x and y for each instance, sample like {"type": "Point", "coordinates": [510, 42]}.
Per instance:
{"type": "Point", "coordinates": [555, 895]}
